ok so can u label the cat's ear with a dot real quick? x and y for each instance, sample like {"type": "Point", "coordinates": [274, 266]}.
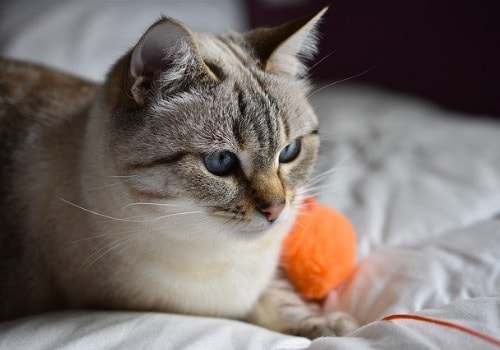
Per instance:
{"type": "Point", "coordinates": [281, 49]}
{"type": "Point", "coordinates": [167, 53]}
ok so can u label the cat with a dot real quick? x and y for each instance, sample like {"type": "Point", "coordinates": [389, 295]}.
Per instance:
{"type": "Point", "coordinates": [169, 187]}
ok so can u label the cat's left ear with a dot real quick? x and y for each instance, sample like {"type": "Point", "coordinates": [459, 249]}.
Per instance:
{"type": "Point", "coordinates": [280, 49]}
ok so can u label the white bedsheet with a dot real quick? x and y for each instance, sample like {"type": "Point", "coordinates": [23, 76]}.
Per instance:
{"type": "Point", "coordinates": [420, 184]}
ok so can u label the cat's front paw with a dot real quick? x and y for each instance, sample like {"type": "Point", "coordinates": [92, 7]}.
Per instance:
{"type": "Point", "coordinates": [334, 324]}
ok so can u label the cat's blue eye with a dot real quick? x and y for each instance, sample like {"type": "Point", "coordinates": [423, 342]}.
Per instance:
{"type": "Point", "coordinates": [290, 152]}
{"type": "Point", "coordinates": [221, 163]}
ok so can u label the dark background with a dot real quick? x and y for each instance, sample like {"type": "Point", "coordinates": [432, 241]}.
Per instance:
{"type": "Point", "coordinates": [445, 51]}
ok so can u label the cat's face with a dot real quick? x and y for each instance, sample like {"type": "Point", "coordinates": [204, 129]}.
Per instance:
{"type": "Point", "coordinates": [211, 123]}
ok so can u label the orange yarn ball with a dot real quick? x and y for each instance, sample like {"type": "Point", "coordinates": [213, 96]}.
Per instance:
{"type": "Point", "coordinates": [320, 251]}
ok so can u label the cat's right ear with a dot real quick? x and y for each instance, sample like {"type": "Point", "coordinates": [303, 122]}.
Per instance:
{"type": "Point", "coordinates": [165, 55]}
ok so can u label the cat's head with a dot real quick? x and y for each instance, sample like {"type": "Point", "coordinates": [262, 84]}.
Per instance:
{"type": "Point", "coordinates": [220, 122]}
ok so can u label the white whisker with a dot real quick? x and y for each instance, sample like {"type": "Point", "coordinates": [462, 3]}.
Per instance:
{"type": "Point", "coordinates": [92, 212]}
{"type": "Point", "coordinates": [129, 219]}
{"type": "Point", "coordinates": [101, 187]}
{"type": "Point", "coordinates": [332, 191]}
{"type": "Point", "coordinates": [320, 61]}
{"type": "Point", "coordinates": [122, 176]}
{"type": "Point", "coordinates": [176, 214]}
{"type": "Point", "coordinates": [99, 236]}
{"type": "Point", "coordinates": [319, 177]}
{"type": "Point", "coordinates": [339, 81]}
{"type": "Point", "coordinates": [152, 204]}
{"type": "Point", "coordinates": [98, 254]}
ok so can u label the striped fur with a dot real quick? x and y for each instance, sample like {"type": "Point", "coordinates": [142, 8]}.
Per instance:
{"type": "Point", "coordinates": [110, 198]}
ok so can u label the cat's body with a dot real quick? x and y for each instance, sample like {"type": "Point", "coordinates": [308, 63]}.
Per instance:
{"type": "Point", "coordinates": [169, 188]}
{"type": "Point", "coordinates": [42, 116]}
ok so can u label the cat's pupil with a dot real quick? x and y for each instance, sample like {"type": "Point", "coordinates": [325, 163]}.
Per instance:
{"type": "Point", "coordinates": [290, 152]}
{"type": "Point", "coordinates": [221, 163]}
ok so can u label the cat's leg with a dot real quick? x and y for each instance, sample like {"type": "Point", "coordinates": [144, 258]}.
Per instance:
{"type": "Point", "coordinates": [282, 309]}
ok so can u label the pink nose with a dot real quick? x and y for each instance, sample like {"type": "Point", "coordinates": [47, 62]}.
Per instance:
{"type": "Point", "coordinates": [271, 211]}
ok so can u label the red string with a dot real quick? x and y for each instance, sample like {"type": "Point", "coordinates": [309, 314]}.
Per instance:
{"type": "Point", "coordinates": [456, 326]}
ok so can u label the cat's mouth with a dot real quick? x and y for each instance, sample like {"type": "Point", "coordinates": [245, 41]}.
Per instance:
{"type": "Point", "coordinates": [252, 221]}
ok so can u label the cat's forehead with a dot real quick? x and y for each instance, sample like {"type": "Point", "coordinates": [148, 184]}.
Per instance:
{"type": "Point", "coordinates": [227, 51]}
{"type": "Point", "coordinates": [237, 112]}
{"type": "Point", "coordinates": [258, 94]}
{"type": "Point", "coordinates": [247, 109]}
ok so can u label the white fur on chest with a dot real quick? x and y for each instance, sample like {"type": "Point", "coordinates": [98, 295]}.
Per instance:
{"type": "Point", "coordinates": [223, 280]}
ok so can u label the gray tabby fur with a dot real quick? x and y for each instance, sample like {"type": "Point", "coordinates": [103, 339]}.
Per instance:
{"type": "Point", "coordinates": [105, 198]}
